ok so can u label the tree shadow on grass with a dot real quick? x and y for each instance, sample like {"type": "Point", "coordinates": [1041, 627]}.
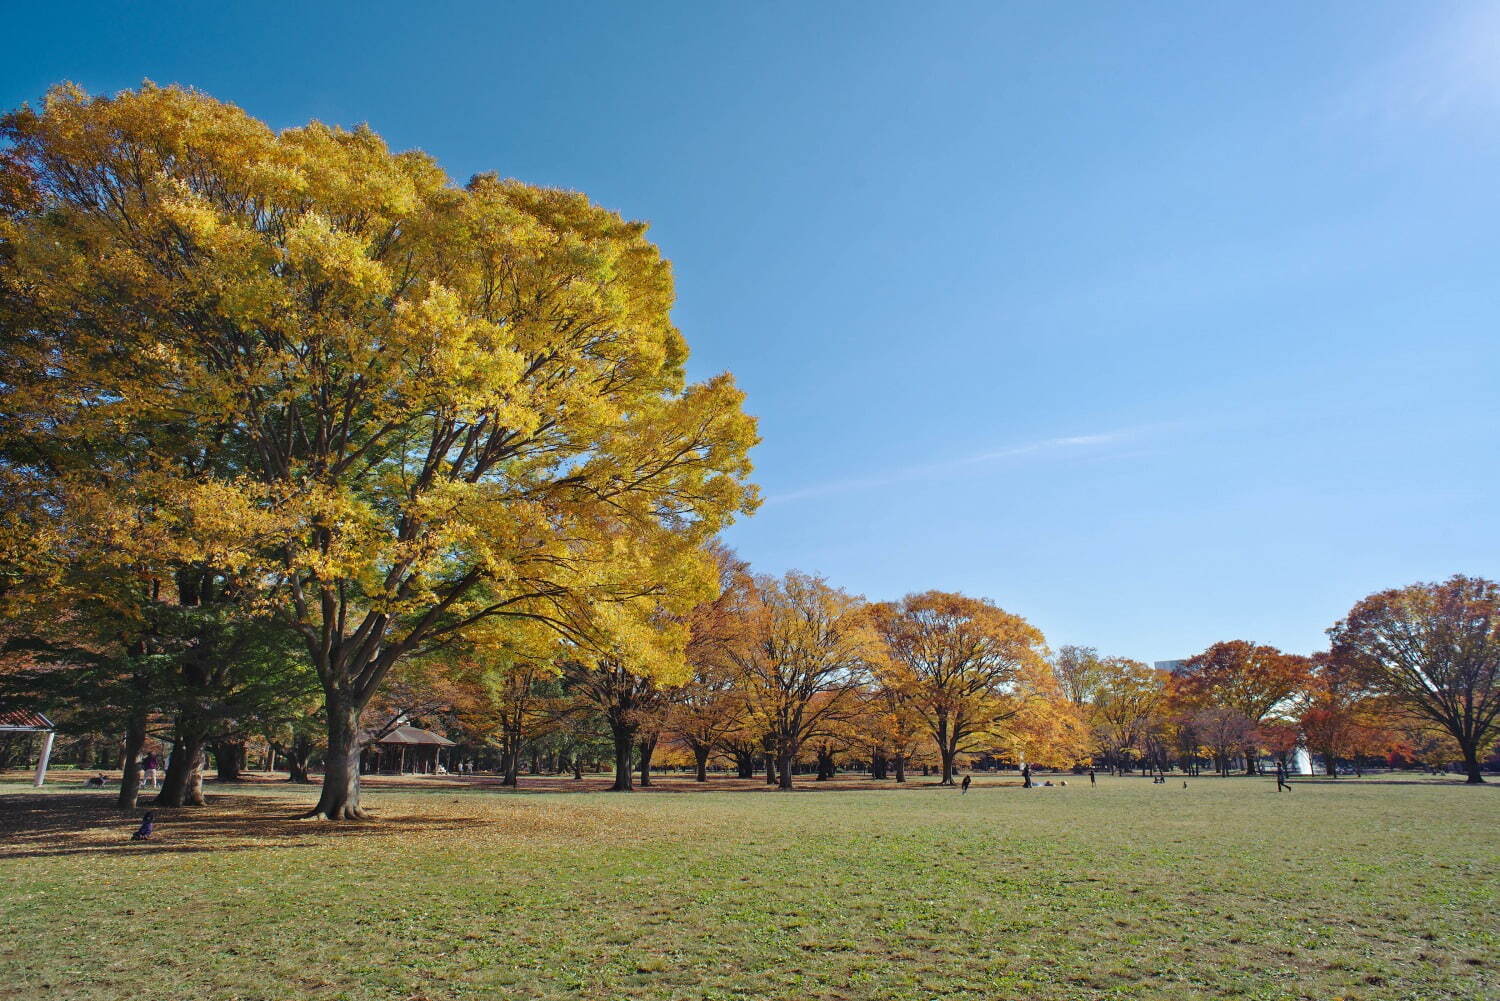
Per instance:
{"type": "Point", "coordinates": [58, 824]}
{"type": "Point", "coordinates": [1454, 781]}
{"type": "Point", "coordinates": [671, 783]}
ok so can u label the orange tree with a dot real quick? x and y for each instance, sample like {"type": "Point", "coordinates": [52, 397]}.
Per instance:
{"type": "Point", "coordinates": [803, 652]}
{"type": "Point", "coordinates": [965, 663]}
{"type": "Point", "coordinates": [1247, 680]}
{"type": "Point", "coordinates": [1434, 649]}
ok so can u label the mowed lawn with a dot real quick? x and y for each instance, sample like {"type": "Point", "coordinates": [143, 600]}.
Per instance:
{"type": "Point", "coordinates": [1349, 889]}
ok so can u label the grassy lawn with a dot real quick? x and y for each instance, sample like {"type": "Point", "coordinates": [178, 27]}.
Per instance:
{"type": "Point", "coordinates": [1350, 889]}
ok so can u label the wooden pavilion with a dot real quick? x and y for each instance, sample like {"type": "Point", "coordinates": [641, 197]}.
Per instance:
{"type": "Point", "coordinates": [405, 750]}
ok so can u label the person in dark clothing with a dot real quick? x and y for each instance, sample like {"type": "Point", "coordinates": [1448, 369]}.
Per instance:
{"type": "Point", "coordinates": [1092, 780]}
{"type": "Point", "coordinates": [967, 780]}
{"type": "Point", "coordinates": [1281, 778]}
{"type": "Point", "coordinates": [1026, 776]}
{"type": "Point", "coordinates": [150, 764]}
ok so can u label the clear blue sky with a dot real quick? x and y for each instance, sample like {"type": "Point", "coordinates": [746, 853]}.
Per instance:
{"type": "Point", "coordinates": [1159, 324]}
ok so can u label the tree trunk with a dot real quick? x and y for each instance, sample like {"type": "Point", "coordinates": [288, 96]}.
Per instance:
{"type": "Point", "coordinates": [505, 759]}
{"type": "Point", "coordinates": [744, 764]}
{"type": "Point", "coordinates": [948, 753]}
{"type": "Point", "coordinates": [512, 776]}
{"type": "Point", "coordinates": [784, 769]}
{"type": "Point", "coordinates": [339, 799]}
{"type": "Point", "coordinates": [700, 760]}
{"type": "Point", "coordinates": [1331, 764]}
{"type": "Point", "coordinates": [578, 766]}
{"type": "Point", "coordinates": [297, 754]}
{"type": "Point", "coordinates": [1471, 763]}
{"type": "Point", "coordinates": [229, 756]}
{"type": "Point", "coordinates": [877, 765]}
{"type": "Point", "coordinates": [183, 783]}
{"type": "Point", "coordinates": [648, 748]}
{"type": "Point", "coordinates": [770, 769]}
{"type": "Point", "coordinates": [624, 737]}
{"type": "Point", "coordinates": [130, 771]}
{"type": "Point", "coordinates": [825, 764]}
{"type": "Point", "coordinates": [900, 768]}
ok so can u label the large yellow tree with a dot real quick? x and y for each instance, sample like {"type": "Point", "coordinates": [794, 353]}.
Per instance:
{"type": "Point", "coordinates": [413, 409]}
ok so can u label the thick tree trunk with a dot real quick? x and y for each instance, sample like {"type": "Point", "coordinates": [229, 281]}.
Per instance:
{"type": "Point", "coordinates": [948, 753]}
{"type": "Point", "coordinates": [784, 769]}
{"type": "Point", "coordinates": [825, 764]}
{"type": "Point", "coordinates": [1471, 763]}
{"type": "Point", "coordinates": [296, 760]}
{"type": "Point", "coordinates": [770, 769]}
{"type": "Point", "coordinates": [1331, 765]}
{"type": "Point", "coordinates": [877, 766]}
{"type": "Point", "coordinates": [700, 761]}
{"type": "Point", "coordinates": [130, 770]}
{"type": "Point", "coordinates": [744, 764]}
{"type": "Point", "coordinates": [339, 799]}
{"type": "Point", "coordinates": [183, 783]}
{"type": "Point", "coordinates": [624, 738]}
{"type": "Point", "coordinates": [900, 768]}
{"type": "Point", "coordinates": [512, 776]}
{"type": "Point", "coordinates": [229, 757]}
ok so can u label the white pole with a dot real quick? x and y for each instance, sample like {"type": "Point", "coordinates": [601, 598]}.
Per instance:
{"type": "Point", "coordinates": [41, 764]}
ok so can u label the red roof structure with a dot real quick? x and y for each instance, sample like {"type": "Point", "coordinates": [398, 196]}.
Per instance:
{"type": "Point", "coordinates": [23, 721]}
{"type": "Point", "coordinates": [414, 735]}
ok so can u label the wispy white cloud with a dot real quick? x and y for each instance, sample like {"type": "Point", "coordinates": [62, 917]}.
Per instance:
{"type": "Point", "coordinates": [1451, 69]}
{"type": "Point", "coordinates": [1041, 448]}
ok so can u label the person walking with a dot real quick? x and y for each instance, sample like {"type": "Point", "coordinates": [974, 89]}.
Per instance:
{"type": "Point", "coordinates": [151, 764]}
{"type": "Point", "coordinates": [967, 780]}
{"type": "Point", "coordinates": [1026, 776]}
{"type": "Point", "coordinates": [1092, 781]}
{"type": "Point", "coordinates": [1281, 778]}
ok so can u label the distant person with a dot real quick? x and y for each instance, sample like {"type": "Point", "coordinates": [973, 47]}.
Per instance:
{"type": "Point", "coordinates": [1026, 776]}
{"type": "Point", "coordinates": [1281, 778]}
{"type": "Point", "coordinates": [151, 763]}
{"type": "Point", "coordinates": [1092, 781]}
{"type": "Point", "coordinates": [967, 779]}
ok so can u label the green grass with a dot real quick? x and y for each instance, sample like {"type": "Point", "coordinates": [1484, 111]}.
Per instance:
{"type": "Point", "coordinates": [1354, 889]}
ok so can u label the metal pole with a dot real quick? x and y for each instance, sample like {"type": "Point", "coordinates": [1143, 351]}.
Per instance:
{"type": "Point", "coordinates": [41, 763]}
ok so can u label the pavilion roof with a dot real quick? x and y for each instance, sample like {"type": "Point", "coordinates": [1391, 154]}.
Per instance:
{"type": "Point", "coordinates": [23, 720]}
{"type": "Point", "coordinates": [414, 735]}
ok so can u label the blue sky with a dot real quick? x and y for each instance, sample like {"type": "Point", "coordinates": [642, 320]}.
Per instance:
{"type": "Point", "coordinates": [1158, 324]}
